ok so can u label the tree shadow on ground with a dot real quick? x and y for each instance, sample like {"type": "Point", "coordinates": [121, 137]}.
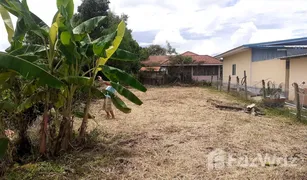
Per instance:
{"type": "Point", "coordinates": [105, 159]}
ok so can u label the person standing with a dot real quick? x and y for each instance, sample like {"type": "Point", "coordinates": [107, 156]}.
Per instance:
{"type": "Point", "coordinates": [107, 103]}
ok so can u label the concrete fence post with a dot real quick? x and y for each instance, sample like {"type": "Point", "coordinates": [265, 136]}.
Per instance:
{"type": "Point", "coordinates": [229, 81]}
{"type": "Point", "coordinates": [221, 83]}
{"type": "Point", "coordinates": [245, 82]}
{"type": "Point", "coordinates": [238, 84]}
{"type": "Point", "coordinates": [297, 101]}
{"type": "Point", "coordinates": [263, 89]}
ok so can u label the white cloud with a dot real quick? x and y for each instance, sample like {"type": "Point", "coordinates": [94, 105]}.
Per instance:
{"type": "Point", "coordinates": [243, 34]}
{"type": "Point", "coordinates": [170, 35]}
{"type": "Point", "coordinates": [226, 27]}
{"type": "Point", "coordinates": [204, 47]}
{"type": "Point", "coordinates": [270, 35]}
{"type": "Point", "coordinates": [211, 18]}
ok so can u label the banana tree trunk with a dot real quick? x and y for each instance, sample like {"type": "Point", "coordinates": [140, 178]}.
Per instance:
{"type": "Point", "coordinates": [43, 130]}
{"type": "Point", "coordinates": [66, 127]}
{"type": "Point", "coordinates": [85, 118]}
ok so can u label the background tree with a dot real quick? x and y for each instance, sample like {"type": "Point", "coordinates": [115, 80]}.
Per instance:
{"type": "Point", "coordinates": [91, 8]}
{"type": "Point", "coordinates": [156, 50]}
{"type": "Point", "coordinates": [169, 49]}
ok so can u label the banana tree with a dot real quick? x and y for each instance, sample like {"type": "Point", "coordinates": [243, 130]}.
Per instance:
{"type": "Point", "coordinates": [22, 62]}
{"type": "Point", "coordinates": [104, 49]}
{"type": "Point", "coordinates": [66, 50]}
{"type": "Point", "coordinates": [77, 44]}
{"type": "Point", "coordinates": [15, 59]}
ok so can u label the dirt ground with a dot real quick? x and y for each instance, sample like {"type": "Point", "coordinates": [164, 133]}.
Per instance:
{"type": "Point", "coordinates": [171, 135]}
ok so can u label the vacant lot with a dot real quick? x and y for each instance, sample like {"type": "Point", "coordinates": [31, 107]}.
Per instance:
{"type": "Point", "coordinates": [171, 134]}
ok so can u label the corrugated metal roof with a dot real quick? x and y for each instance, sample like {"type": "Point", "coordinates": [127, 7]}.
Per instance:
{"type": "Point", "coordinates": [286, 42]}
{"type": "Point", "coordinates": [284, 46]}
{"type": "Point", "coordinates": [290, 43]}
{"type": "Point", "coordinates": [294, 56]}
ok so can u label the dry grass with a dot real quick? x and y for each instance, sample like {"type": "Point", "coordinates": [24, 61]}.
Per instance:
{"type": "Point", "coordinates": [171, 134]}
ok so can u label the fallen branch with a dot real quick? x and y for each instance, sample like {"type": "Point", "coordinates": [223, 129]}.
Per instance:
{"type": "Point", "coordinates": [250, 109]}
{"type": "Point", "coordinates": [229, 107]}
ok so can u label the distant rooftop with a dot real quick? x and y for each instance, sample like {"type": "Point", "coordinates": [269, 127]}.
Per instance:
{"type": "Point", "coordinates": [197, 59]}
{"type": "Point", "coordinates": [150, 68]}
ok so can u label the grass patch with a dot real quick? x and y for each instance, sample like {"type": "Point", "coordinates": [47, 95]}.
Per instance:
{"type": "Point", "coordinates": [40, 170]}
{"type": "Point", "coordinates": [101, 152]}
{"type": "Point", "coordinates": [270, 112]}
{"type": "Point", "coordinates": [283, 112]}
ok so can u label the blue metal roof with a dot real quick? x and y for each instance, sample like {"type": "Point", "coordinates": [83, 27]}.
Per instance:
{"type": "Point", "coordinates": [289, 44]}
{"type": "Point", "coordinates": [294, 56]}
{"type": "Point", "coordinates": [297, 41]}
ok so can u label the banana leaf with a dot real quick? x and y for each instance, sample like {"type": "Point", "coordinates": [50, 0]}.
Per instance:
{"type": "Point", "coordinates": [120, 32]}
{"type": "Point", "coordinates": [120, 105]}
{"type": "Point", "coordinates": [123, 55]}
{"type": "Point", "coordinates": [30, 58]}
{"type": "Point", "coordinates": [7, 22]}
{"type": "Point", "coordinates": [97, 93]}
{"type": "Point", "coordinates": [69, 7]}
{"type": "Point", "coordinates": [126, 93]}
{"type": "Point", "coordinates": [117, 75]}
{"type": "Point", "coordinates": [78, 80]}
{"type": "Point", "coordinates": [28, 50]}
{"type": "Point", "coordinates": [29, 102]}
{"type": "Point", "coordinates": [101, 45]}
{"type": "Point", "coordinates": [29, 70]}
{"type": "Point", "coordinates": [7, 106]}
{"type": "Point", "coordinates": [5, 76]}
{"type": "Point", "coordinates": [89, 25]}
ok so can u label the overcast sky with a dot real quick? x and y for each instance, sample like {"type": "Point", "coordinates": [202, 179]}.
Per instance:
{"type": "Point", "coordinates": [202, 26]}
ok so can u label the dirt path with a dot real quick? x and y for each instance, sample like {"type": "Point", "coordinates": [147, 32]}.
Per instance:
{"type": "Point", "coordinates": [170, 136]}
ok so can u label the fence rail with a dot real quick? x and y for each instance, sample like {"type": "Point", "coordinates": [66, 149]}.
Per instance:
{"type": "Point", "coordinates": [271, 94]}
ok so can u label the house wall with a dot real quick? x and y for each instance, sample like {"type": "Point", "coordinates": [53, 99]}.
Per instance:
{"type": "Point", "coordinates": [269, 70]}
{"type": "Point", "coordinates": [298, 74]}
{"type": "Point", "coordinates": [243, 63]}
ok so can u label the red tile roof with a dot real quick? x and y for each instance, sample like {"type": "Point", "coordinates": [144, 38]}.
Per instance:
{"type": "Point", "coordinates": [197, 59]}
{"type": "Point", "coordinates": [189, 53]}
{"type": "Point", "coordinates": [205, 59]}
{"type": "Point", "coordinates": [150, 68]}
{"type": "Point", "coordinates": [155, 60]}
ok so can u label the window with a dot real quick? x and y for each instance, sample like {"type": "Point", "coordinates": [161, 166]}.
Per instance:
{"type": "Point", "coordinates": [234, 69]}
